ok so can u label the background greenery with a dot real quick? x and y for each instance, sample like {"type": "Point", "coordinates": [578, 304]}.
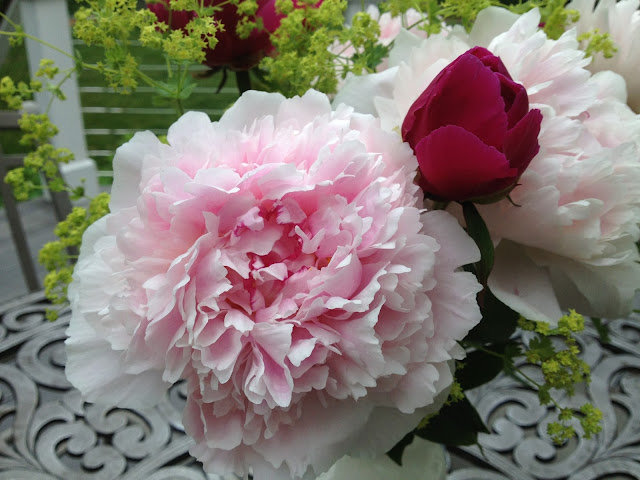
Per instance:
{"type": "Point", "coordinates": [110, 119]}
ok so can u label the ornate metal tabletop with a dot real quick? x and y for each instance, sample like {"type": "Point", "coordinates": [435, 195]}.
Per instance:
{"type": "Point", "coordinates": [47, 432]}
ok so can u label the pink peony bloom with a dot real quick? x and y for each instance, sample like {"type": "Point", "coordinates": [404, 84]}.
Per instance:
{"type": "Point", "coordinates": [472, 130]}
{"type": "Point", "coordinates": [569, 240]}
{"type": "Point", "coordinates": [279, 260]}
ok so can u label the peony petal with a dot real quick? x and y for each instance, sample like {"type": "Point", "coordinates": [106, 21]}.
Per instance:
{"type": "Point", "coordinates": [523, 286]}
{"type": "Point", "coordinates": [250, 106]}
{"type": "Point", "coordinates": [521, 142]}
{"type": "Point", "coordinates": [491, 22]}
{"type": "Point", "coordinates": [360, 92]}
{"type": "Point", "coordinates": [127, 162]}
{"type": "Point", "coordinates": [95, 368]}
{"type": "Point", "coordinates": [455, 164]}
{"type": "Point", "coordinates": [516, 100]}
{"type": "Point", "coordinates": [419, 457]}
{"type": "Point", "coordinates": [449, 101]}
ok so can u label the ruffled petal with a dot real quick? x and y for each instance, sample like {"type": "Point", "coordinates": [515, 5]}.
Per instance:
{"type": "Point", "coordinates": [455, 164]}
{"type": "Point", "coordinates": [521, 142]}
{"type": "Point", "coordinates": [450, 101]}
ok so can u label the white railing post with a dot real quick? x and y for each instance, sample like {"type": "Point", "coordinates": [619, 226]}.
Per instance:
{"type": "Point", "coordinates": [48, 20]}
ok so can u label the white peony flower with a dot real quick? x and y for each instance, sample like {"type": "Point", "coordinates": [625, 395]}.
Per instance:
{"type": "Point", "coordinates": [622, 21]}
{"type": "Point", "coordinates": [421, 460]}
{"type": "Point", "coordinates": [569, 240]}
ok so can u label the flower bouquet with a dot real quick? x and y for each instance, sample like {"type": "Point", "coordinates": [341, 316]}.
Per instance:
{"type": "Point", "coordinates": [439, 191]}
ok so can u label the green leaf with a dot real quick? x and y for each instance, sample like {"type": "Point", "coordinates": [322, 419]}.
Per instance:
{"type": "Point", "coordinates": [175, 90]}
{"type": "Point", "coordinates": [455, 424]}
{"type": "Point", "coordinates": [603, 330]}
{"type": "Point", "coordinates": [511, 351]}
{"type": "Point", "coordinates": [498, 321]}
{"type": "Point", "coordinates": [543, 346]}
{"type": "Point", "coordinates": [477, 230]}
{"type": "Point", "coordinates": [479, 368]}
{"type": "Point", "coordinates": [77, 193]}
{"type": "Point", "coordinates": [373, 55]}
{"type": "Point", "coordinates": [165, 90]}
{"type": "Point", "coordinates": [187, 88]}
{"type": "Point", "coordinates": [396, 452]}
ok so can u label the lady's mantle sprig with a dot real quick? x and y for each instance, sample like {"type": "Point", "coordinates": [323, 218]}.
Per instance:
{"type": "Point", "coordinates": [111, 24]}
{"type": "Point", "coordinates": [37, 130]}
{"type": "Point", "coordinates": [55, 257]}
{"type": "Point", "coordinates": [304, 40]}
{"type": "Point", "coordinates": [562, 370]}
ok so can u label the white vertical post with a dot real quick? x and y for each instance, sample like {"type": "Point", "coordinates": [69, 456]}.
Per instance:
{"type": "Point", "coordinates": [48, 20]}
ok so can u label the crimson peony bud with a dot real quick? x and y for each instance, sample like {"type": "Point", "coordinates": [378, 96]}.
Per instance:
{"type": "Point", "coordinates": [472, 130]}
{"type": "Point", "coordinates": [231, 50]}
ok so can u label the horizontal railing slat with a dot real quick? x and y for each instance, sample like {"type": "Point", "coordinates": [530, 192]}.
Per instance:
{"type": "Point", "coordinates": [207, 90]}
{"type": "Point", "coordinates": [144, 111]}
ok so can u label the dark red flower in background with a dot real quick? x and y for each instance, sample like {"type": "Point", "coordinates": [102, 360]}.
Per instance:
{"type": "Point", "coordinates": [472, 130]}
{"type": "Point", "coordinates": [231, 50]}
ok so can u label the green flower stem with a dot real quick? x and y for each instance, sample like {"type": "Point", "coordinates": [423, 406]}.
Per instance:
{"type": "Point", "coordinates": [181, 77]}
{"type": "Point", "coordinates": [11, 22]}
{"type": "Point", "coordinates": [477, 346]}
{"type": "Point", "coordinates": [53, 47]}
{"type": "Point", "coordinates": [524, 377]}
{"type": "Point", "coordinates": [58, 86]}
{"type": "Point", "coordinates": [35, 39]}
{"type": "Point", "coordinates": [527, 378]}
{"type": "Point", "coordinates": [144, 77]}
{"type": "Point", "coordinates": [243, 80]}
{"type": "Point", "coordinates": [169, 69]}
{"type": "Point", "coordinates": [218, 5]}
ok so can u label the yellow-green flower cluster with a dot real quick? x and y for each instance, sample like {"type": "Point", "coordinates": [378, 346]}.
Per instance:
{"type": "Point", "coordinates": [398, 7]}
{"type": "Point", "coordinates": [303, 44]}
{"type": "Point", "coordinates": [248, 21]}
{"type": "Point", "coordinates": [14, 94]}
{"type": "Point", "coordinates": [56, 256]}
{"type": "Point", "coordinates": [553, 15]}
{"type": "Point", "coordinates": [463, 12]}
{"type": "Point", "coordinates": [44, 158]}
{"type": "Point", "coordinates": [47, 69]}
{"type": "Point", "coordinates": [562, 369]}
{"type": "Point", "coordinates": [598, 43]}
{"type": "Point", "coordinates": [112, 25]}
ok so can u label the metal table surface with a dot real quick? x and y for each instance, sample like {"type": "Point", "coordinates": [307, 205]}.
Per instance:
{"type": "Point", "coordinates": [47, 432]}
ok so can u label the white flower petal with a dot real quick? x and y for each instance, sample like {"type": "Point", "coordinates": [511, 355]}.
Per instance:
{"type": "Point", "coordinates": [523, 286]}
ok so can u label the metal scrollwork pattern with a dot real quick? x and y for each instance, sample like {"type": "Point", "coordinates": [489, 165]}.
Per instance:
{"type": "Point", "coordinates": [519, 447]}
{"type": "Point", "coordinates": [47, 432]}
